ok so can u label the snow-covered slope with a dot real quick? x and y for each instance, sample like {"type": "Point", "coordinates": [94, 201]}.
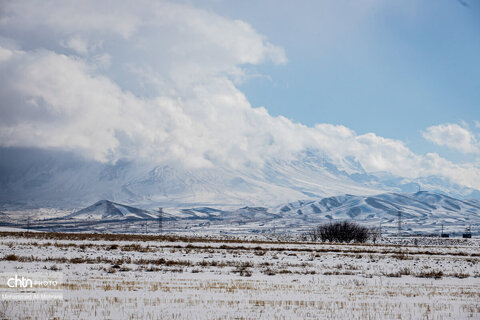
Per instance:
{"type": "Point", "coordinates": [107, 210]}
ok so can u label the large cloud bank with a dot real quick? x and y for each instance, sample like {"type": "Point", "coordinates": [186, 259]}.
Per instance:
{"type": "Point", "coordinates": [157, 81]}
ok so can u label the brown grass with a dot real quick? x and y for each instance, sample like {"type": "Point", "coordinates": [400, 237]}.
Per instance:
{"type": "Point", "coordinates": [436, 274]}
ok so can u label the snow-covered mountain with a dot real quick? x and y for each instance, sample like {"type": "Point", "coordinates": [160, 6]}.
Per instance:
{"type": "Point", "coordinates": [60, 179]}
{"type": "Point", "coordinates": [40, 178]}
{"type": "Point", "coordinates": [420, 212]}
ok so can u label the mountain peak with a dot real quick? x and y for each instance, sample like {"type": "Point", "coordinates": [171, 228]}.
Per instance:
{"type": "Point", "coordinates": [108, 210]}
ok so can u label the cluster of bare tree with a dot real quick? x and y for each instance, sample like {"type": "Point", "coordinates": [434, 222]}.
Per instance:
{"type": "Point", "coordinates": [342, 232]}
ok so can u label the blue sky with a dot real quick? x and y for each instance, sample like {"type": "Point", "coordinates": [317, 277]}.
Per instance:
{"type": "Point", "coordinates": [389, 67]}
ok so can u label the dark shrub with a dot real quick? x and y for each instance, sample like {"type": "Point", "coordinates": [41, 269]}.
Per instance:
{"type": "Point", "coordinates": [342, 232]}
{"type": "Point", "coordinates": [11, 257]}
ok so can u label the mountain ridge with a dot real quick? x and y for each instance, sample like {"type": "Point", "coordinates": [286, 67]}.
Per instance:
{"type": "Point", "coordinates": [419, 212]}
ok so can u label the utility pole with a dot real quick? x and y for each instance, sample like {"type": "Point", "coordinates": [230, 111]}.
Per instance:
{"type": "Point", "coordinates": [399, 222]}
{"type": "Point", "coordinates": [380, 230]}
{"type": "Point", "coordinates": [28, 223]}
{"type": "Point", "coordinates": [146, 230]}
{"type": "Point", "coordinates": [160, 217]}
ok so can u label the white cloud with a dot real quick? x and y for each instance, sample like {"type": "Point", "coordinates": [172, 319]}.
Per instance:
{"type": "Point", "coordinates": [5, 54]}
{"type": "Point", "coordinates": [77, 44]}
{"type": "Point", "coordinates": [155, 81]}
{"type": "Point", "coordinates": [453, 136]}
{"type": "Point", "coordinates": [155, 76]}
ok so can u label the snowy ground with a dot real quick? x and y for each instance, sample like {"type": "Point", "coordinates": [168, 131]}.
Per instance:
{"type": "Point", "coordinates": [174, 277]}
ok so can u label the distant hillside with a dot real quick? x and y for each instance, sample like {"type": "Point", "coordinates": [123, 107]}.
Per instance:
{"type": "Point", "coordinates": [107, 210]}
{"type": "Point", "coordinates": [419, 211]}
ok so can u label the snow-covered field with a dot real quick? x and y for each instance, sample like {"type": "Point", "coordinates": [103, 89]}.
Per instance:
{"type": "Point", "coordinates": [175, 277]}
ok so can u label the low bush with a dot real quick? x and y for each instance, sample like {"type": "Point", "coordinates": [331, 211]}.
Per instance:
{"type": "Point", "coordinates": [341, 232]}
